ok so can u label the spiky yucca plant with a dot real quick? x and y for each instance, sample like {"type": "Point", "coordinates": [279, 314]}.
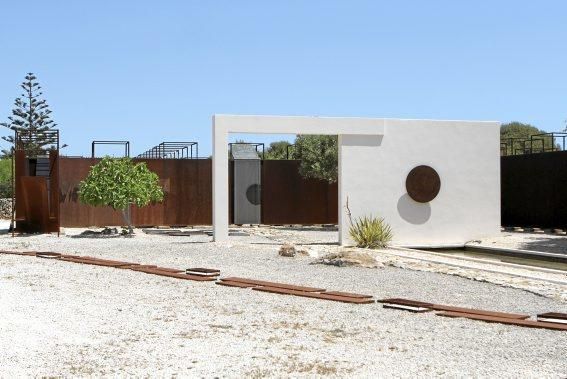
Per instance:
{"type": "Point", "coordinates": [370, 232]}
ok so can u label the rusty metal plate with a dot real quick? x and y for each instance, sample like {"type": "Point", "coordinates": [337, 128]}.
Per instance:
{"type": "Point", "coordinates": [481, 312]}
{"type": "Point", "coordinates": [423, 184]}
{"type": "Point", "coordinates": [557, 315]}
{"type": "Point", "coordinates": [273, 284]}
{"type": "Point", "coordinates": [228, 283]}
{"type": "Point", "coordinates": [315, 295]}
{"type": "Point", "coordinates": [504, 320]}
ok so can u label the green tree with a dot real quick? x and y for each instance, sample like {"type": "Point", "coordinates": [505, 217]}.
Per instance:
{"type": "Point", "coordinates": [119, 183]}
{"type": "Point", "coordinates": [278, 150]}
{"type": "Point", "coordinates": [318, 155]}
{"type": "Point", "coordinates": [30, 117]}
{"type": "Point", "coordinates": [512, 134]}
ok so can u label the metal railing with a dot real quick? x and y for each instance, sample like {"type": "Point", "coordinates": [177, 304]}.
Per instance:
{"type": "Point", "coordinates": [536, 143]}
{"type": "Point", "coordinates": [172, 150]}
{"type": "Point", "coordinates": [126, 145]}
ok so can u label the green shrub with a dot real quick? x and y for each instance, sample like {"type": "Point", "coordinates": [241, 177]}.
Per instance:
{"type": "Point", "coordinates": [119, 183]}
{"type": "Point", "coordinates": [5, 178]}
{"type": "Point", "coordinates": [371, 232]}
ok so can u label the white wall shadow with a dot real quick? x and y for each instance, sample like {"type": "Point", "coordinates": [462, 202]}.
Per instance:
{"type": "Point", "coordinates": [412, 211]}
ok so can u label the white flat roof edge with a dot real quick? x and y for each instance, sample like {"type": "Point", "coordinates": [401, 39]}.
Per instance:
{"type": "Point", "coordinates": [223, 115]}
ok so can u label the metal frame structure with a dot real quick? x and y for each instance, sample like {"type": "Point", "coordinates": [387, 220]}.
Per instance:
{"type": "Point", "coordinates": [125, 143]}
{"type": "Point", "coordinates": [553, 136]}
{"type": "Point", "coordinates": [255, 144]}
{"type": "Point", "coordinates": [536, 143]}
{"type": "Point", "coordinates": [26, 146]}
{"type": "Point", "coordinates": [172, 150]}
{"type": "Point", "coordinates": [287, 150]}
{"type": "Point", "coordinates": [23, 140]}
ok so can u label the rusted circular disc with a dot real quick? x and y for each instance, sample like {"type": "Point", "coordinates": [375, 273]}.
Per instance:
{"type": "Point", "coordinates": [423, 184]}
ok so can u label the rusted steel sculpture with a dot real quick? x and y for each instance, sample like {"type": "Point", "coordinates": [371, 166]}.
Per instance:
{"type": "Point", "coordinates": [423, 184]}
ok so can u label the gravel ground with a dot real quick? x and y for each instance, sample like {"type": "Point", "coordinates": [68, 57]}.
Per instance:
{"type": "Point", "coordinates": [65, 319]}
{"type": "Point", "coordinates": [548, 243]}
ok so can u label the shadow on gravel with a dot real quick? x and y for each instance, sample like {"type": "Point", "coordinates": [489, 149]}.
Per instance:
{"type": "Point", "coordinates": [98, 236]}
{"type": "Point", "coordinates": [296, 243]}
{"type": "Point", "coordinates": [190, 242]}
{"type": "Point", "coordinates": [308, 228]}
{"type": "Point", "coordinates": [105, 233]}
{"type": "Point", "coordinates": [547, 245]}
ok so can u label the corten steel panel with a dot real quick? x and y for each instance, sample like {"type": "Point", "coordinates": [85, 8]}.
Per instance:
{"type": "Point", "coordinates": [231, 192]}
{"type": "Point", "coordinates": [73, 212]}
{"type": "Point", "coordinates": [288, 198]}
{"type": "Point", "coordinates": [54, 205]}
{"type": "Point", "coordinates": [20, 164]}
{"type": "Point", "coordinates": [188, 195]}
{"type": "Point", "coordinates": [35, 203]}
{"type": "Point", "coordinates": [533, 190]}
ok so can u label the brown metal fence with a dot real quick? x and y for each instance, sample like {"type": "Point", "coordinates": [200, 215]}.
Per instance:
{"type": "Point", "coordinates": [287, 198]}
{"type": "Point", "coordinates": [187, 185]}
{"type": "Point", "coordinates": [533, 188]}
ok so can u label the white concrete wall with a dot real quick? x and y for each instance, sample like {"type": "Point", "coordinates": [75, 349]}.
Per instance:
{"type": "Point", "coordinates": [466, 156]}
{"type": "Point", "coordinates": [225, 124]}
{"type": "Point", "coordinates": [375, 156]}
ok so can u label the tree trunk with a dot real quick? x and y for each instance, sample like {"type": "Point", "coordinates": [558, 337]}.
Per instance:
{"type": "Point", "coordinates": [128, 219]}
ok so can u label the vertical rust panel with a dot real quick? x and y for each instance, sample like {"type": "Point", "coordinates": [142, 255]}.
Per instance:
{"type": "Point", "coordinates": [153, 214]}
{"type": "Point", "coordinates": [231, 192]}
{"type": "Point", "coordinates": [19, 172]}
{"type": "Point", "coordinates": [188, 195]}
{"type": "Point", "coordinates": [533, 190]}
{"type": "Point", "coordinates": [54, 205]}
{"type": "Point", "coordinates": [73, 212]}
{"type": "Point", "coordinates": [35, 204]}
{"type": "Point", "coordinates": [288, 198]}
{"type": "Point", "coordinates": [187, 185]}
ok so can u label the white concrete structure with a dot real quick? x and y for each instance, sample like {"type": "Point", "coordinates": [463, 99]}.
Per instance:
{"type": "Point", "coordinates": [375, 156]}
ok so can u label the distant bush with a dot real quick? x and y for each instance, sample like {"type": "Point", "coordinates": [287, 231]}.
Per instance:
{"type": "Point", "coordinates": [5, 178]}
{"type": "Point", "coordinates": [318, 155]}
{"type": "Point", "coordinates": [278, 150]}
{"type": "Point", "coordinates": [371, 232]}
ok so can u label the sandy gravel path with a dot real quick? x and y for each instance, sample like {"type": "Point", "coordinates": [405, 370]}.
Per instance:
{"type": "Point", "coordinates": [59, 318]}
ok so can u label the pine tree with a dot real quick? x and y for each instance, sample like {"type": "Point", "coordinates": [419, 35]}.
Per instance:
{"type": "Point", "coordinates": [30, 117]}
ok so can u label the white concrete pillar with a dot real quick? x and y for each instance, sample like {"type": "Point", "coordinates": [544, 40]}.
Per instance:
{"type": "Point", "coordinates": [342, 210]}
{"type": "Point", "coordinates": [224, 124]}
{"type": "Point", "coordinates": [220, 181]}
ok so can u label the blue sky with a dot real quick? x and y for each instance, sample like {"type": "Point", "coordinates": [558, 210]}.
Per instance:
{"type": "Point", "coordinates": [152, 71]}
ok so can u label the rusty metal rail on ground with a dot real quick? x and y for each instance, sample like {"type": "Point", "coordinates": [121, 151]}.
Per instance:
{"type": "Point", "coordinates": [555, 322]}
{"type": "Point", "coordinates": [288, 289]}
{"type": "Point", "coordinates": [549, 320]}
{"type": "Point", "coordinates": [505, 320]}
{"type": "Point", "coordinates": [209, 275]}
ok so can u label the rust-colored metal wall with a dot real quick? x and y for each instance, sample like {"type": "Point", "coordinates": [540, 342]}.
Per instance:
{"type": "Point", "coordinates": [37, 206]}
{"type": "Point", "coordinates": [54, 204]}
{"type": "Point", "coordinates": [20, 170]}
{"type": "Point", "coordinates": [187, 185]}
{"type": "Point", "coordinates": [533, 190]}
{"type": "Point", "coordinates": [288, 198]}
